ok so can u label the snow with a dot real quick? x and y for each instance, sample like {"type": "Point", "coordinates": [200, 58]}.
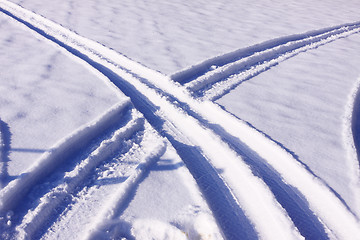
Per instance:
{"type": "Point", "coordinates": [183, 33]}
{"type": "Point", "coordinates": [94, 145]}
{"type": "Point", "coordinates": [40, 102]}
{"type": "Point", "coordinates": [301, 104]}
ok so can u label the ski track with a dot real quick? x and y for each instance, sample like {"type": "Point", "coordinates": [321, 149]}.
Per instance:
{"type": "Point", "coordinates": [203, 131]}
{"type": "Point", "coordinates": [119, 198]}
{"type": "Point", "coordinates": [13, 193]}
{"type": "Point", "coordinates": [213, 78]}
{"type": "Point", "coordinates": [35, 219]}
{"type": "Point", "coordinates": [120, 122]}
{"type": "Point", "coordinates": [135, 163]}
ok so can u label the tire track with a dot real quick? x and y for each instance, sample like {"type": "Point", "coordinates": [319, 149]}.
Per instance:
{"type": "Point", "coordinates": [216, 76]}
{"type": "Point", "coordinates": [190, 126]}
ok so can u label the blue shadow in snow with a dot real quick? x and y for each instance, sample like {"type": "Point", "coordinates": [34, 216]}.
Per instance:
{"type": "Point", "coordinates": [231, 219]}
{"type": "Point", "coordinates": [30, 150]}
{"type": "Point", "coordinates": [5, 152]}
{"type": "Point", "coordinates": [166, 165]}
{"type": "Point", "coordinates": [355, 124]}
{"type": "Point", "coordinates": [295, 156]}
{"type": "Point", "coordinates": [289, 197]}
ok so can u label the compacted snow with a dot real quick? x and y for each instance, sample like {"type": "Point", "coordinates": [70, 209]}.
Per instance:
{"type": "Point", "coordinates": [253, 133]}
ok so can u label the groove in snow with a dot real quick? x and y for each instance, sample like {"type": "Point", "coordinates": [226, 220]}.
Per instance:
{"type": "Point", "coordinates": [12, 194]}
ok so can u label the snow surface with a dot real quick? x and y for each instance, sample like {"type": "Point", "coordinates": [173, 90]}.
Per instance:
{"type": "Point", "coordinates": [302, 104]}
{"type": "Point", "coordinates": [96, 146]}
{"type": "Point", "coordinates": [44, 95]}
{"type": "Point", "coordinates": [181, 33]}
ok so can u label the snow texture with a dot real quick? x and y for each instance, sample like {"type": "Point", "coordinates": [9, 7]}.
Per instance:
{"type": "Point", "coordinates": [265, 164]}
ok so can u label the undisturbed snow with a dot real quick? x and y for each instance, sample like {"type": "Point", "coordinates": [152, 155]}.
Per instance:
{"type": "Point", "coordinates": [181, 33]}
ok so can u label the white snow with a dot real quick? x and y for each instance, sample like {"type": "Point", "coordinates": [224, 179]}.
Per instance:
{"type": "Point", "coordinates": [43, 95]}
{"type": "Point", "coordinates": [182, 33]}
{"type": "Point", "coordinates": [301, 104]}
{"type": "Point", "coordinates": [94, 145]}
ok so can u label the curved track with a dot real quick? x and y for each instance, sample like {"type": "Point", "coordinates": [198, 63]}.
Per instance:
{"type": "Point", "coordinates": [214, 77]}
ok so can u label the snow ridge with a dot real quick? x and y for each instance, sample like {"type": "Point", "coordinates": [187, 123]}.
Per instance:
{"type": "Point", "coordinates": [216, 76]}
{"type": "Point", "coordinates": [118, 198]}
{"type": "Point", "coordinates": [35, 218]}
{"type": "Point", "coordinates": [190, 124]}
{"type": "Point", "coordinates": [11, 195]}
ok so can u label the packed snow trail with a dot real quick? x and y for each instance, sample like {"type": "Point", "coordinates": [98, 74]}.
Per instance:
{"type": "Point", "coordinates": [35, 220]}
{"type": "Point", "coordinates": [12, 194]}
{"type": "Point", "coordinates": [170, 118]}
{"type": "Point", "coordinates": [73, 180]}
{"type": "Point", "coordinates": [216, 76]}
{"type": "Point", "coordinates": [15, 198]}
{"type": "Point", "coordinates": [117, 200]}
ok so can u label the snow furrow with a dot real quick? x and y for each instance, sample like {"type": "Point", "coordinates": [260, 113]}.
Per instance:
{"type": "Point", "coordinates": [108, 178]}
{"type": "Point", "coordinates": [171, 118]}
{"type": "Point", "coordinates": [11, 195]}
{"type": "Point", "coordinates": [192, 72]}
{"type": "Point", "coordinates": [2, 155]}
{"type": "Point", "coordinates": [34, 219]}
{"type": "Point", "coordinates": [118, 199]}
{"type": "Point", "coordinates": [354, 116]}
{"type": "Point", "coordinates": [207, 73]}
{"type": "Point", "coordinates": [322, 201]}
{"type": "Point", "coordinates": [5, 136]}
{"type": "Point", "coordinates": [352, 134]}
{"type": "Point", "coordinates": [236, 73]}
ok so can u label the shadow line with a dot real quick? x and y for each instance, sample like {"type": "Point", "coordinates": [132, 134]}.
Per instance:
{"type": "Point", "coordinates": [30, 150]}
{"type": "Point", "coordinates": [5, 136]}
{"type": "Point", "coordinates": [355, 124]}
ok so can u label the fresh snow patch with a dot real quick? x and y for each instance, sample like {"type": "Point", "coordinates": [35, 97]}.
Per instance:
{"type": "Point", "coordinates": [182, 33]}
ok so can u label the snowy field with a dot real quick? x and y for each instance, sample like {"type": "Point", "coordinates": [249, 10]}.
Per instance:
{"type": "Point", "coordinates": [179, 119]}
